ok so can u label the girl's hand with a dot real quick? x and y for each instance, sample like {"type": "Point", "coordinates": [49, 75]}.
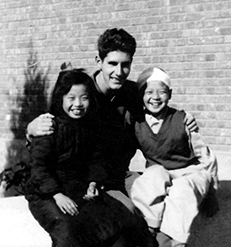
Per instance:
{"type": "Point", "coordinates": [92, 191]}
{"type": "Point", "coordinates": [42, 125]}
{"type": "Point", "coordinates": [66, 204]}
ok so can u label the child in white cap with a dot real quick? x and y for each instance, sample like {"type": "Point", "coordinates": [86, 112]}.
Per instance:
{"type": "Point", "coordinates": [180, 168]}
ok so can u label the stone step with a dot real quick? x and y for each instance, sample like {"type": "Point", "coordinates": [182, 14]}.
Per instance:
{"type": "Point", "coordinates": [18, 228]}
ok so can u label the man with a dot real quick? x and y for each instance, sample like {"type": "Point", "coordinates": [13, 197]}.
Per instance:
{"type": "Point", "coordinates": [115, 95]}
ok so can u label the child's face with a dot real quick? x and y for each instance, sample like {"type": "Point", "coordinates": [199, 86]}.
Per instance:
{"type": "Point", "coordinates": [115, 69]}
{"type": "Point", "coordinates": [156, 97]}
{"type": "Point", "coordinates": [76, 101]}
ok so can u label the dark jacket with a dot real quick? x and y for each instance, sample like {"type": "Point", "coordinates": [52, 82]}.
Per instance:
{"type": "Point", "coordinates": [68, 156]}
{"type": "Point", "coordinates": [116, 138]}
{"type": "Point", "coordinates": [66, 162]}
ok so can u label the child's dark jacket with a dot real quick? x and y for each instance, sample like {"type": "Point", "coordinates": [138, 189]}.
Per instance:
{"type": "Point", "coordinates": [64, 158]}
{"type": "Point", "coordinates": [66, 162]}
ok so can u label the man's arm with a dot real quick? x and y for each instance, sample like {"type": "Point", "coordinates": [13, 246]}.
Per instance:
{"type": "Point", "coordinates": [191, 123]}
{"type": "Point", "coordinates": [42, 125]}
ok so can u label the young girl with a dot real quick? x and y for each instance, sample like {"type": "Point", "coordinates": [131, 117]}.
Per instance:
{"type": "Point", "coordinates": [180, 168]}
{"type": "Point", "coordinates": [67, 174]}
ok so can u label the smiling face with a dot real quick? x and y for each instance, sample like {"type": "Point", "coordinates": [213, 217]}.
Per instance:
{"type": "Point", "coordinates": [156, 97]}
{"type": "Point", "coordinates": [76, 101]}
{"type": "Point", "coordinates": [115, 68]}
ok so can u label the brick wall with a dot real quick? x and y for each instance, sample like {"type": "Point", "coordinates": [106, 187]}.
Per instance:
{"type": "Point", "coordinates": [190, 39]}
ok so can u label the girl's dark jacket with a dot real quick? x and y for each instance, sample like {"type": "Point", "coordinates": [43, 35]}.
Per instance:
{"type": "Point", "coordinates": [64, 160]}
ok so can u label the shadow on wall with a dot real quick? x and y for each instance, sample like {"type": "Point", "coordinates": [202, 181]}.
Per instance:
{"type": "Point", "coordinates": [29, 104]}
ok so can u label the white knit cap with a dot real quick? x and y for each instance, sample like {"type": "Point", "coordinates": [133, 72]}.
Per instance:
{"type": "Point", "coordinates": [159, 75]}
{"type": "Point", "coordinates": [153, 74]}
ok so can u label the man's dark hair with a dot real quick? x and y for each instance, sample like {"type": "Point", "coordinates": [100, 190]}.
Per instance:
{"type": "Point", "coordinates": [116, 40]}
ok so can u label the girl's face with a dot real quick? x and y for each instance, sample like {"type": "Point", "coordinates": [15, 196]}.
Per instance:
{"type": "Point", "coordinates": [156, 97]}
{"type": "Point", "coordinates": [76, 101]}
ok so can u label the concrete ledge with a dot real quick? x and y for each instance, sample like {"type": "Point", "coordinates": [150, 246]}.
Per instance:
{"type": "Point", "coordinates": [18, 228]}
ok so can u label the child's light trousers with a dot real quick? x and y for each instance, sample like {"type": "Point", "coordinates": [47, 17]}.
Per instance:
{"type": "Point", "coordinates": [169, 199]}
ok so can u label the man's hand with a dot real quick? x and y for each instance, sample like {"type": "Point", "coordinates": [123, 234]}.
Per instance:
{"type": "Point", "coordinates": [42, 125]}
{"type": "Point", "coordinates": [191, 123]}
{"type": "Point", "coordinates": [66, 204]}
{"type": "Point", "coordinates": [92, 191]}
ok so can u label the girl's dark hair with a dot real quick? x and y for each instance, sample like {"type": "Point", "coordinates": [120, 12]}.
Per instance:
{"type": "Point", "coordinates": [116, 40]}
{"type": "Point", "coordinates": [65, 81]}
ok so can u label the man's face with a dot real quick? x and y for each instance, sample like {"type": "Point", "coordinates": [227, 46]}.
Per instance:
{"type": "Point", "coordinates": [115, 69]}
